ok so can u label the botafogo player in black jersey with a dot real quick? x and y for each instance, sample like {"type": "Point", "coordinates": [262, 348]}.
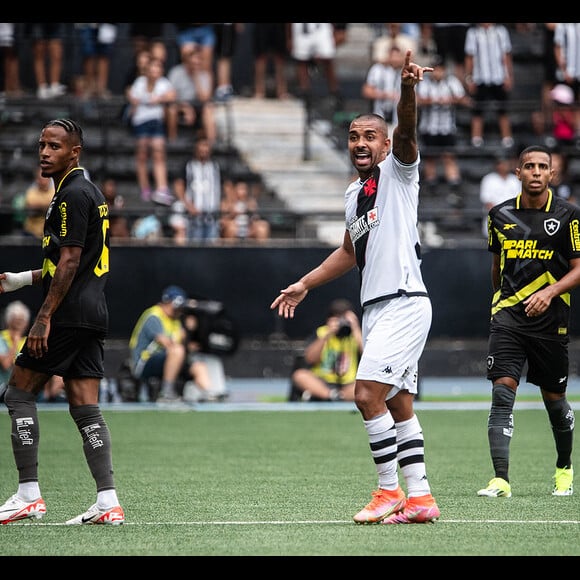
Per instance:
{"type": "Point", "coordinates": [67, 336]}
{"type": "Point", "coordinates": [382, 240]}
{"type": "Point", "coordinates": [535, 242]}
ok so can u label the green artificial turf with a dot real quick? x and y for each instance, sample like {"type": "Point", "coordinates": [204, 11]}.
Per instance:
{"type": "Point", "coordinates": [286, 483]}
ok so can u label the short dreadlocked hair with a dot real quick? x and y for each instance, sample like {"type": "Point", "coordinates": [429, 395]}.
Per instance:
{"type": "Point", "coordinates": [69, 126]}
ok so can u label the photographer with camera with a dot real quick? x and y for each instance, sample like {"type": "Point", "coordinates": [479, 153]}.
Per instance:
{"type": "Point", "coordinates": [330, 358]}
{"type": "Point", "coordinates": [159, 351]}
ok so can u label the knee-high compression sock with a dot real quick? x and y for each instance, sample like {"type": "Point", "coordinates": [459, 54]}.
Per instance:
{"type": "Point", "coordinates": [411, 456]}
{"type": "Point", "coordinates": [500, 428]}
{"type": "Point", "coordinates": [383, 441]}
{"type": "Point", "coordinates": [25, 432]}
{"type": "Point", "coordinates": [562, 420]}
{"type": "Point", "coordinates": [96, 444]}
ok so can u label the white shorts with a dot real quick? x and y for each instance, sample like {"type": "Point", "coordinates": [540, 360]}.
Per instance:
{"type": "Point", "coordinates": [313, 40]}
{"type": "Point", "coordinates": [394, 336]}
{"type": "Point", "coordinates": [7, 34]}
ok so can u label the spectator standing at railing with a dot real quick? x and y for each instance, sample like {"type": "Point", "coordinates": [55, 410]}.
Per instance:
{"type": "Point", "coordinates": [489, 78]}
{"type": "Point", "coordinates": [542, 119]}
{"type": "Point", "coordinates": [313, 44]}
{"type": "Point", "coordinates": [382, 86]}
{"type": "Point", "coordinates": [226, 41]}
{"type": "Point", "coordinates": [47, 45]}
{"type": "Point", "coordinates": [11, 60]}
{"type": "Point", "coordinates": [448, 41]}
{"type": "Point", "coordinates": [438, 97]}
{"type": "Point", "coordinates": [97, 40]}
{"type": "Point", "coordinates": [148, 96]}
{"type": "Point", "coordinates": [270, 43]}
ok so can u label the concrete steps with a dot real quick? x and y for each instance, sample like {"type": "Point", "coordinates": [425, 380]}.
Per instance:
{"type": "Point", "coordinates": [269, 134]}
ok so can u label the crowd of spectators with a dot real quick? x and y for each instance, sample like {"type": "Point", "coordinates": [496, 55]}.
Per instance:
{"type": "Point", "coordinates": [174, 83]}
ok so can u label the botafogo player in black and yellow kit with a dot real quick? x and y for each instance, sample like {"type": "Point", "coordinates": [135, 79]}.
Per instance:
{"type": "Point", "coordinates": [67, 335]}
{"type": "Point", "coordinates": [535, 241]}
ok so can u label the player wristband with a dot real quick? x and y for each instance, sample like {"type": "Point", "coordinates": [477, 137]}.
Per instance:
{"type": "Point", "coordinates": [14, 281]}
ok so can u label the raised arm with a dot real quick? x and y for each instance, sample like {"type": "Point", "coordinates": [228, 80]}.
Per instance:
{"type": "Point", "coordinates": [405, 145]}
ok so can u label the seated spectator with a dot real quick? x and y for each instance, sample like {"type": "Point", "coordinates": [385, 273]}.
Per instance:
{"type": "Point", "coordinates": [193, 104]}
{"type": "Point", "coordinates": [118, 223]}
{"type": "Point", "coordinates": [145, 35]}
{"type": "Point", "coordinates": [148, 228]}
{"type": "Point", "coordinates": [563, 114]}
{"type": "Point", "coordinates": [331, 358]}
{"type": "Point", "coordinates": [393, 35]}
{"type": "Point", "coordinates": [561, 184]}
{"type": "Point", "coordinates": [202, 35]}
{"type": "Point", "coordinates": [158, 349]}
{"type": "Point", "coordinates": [199, 196]}
{"type": "Point", "coordinates": [148, 96]}
{"type": "Point", "coordinates": [240, 217]}
{"type": "Point", "coordinates": [498, 185]}
{"type": "Point", "coordinates": [12, 337]}
{"type": "Point", "coordinates": [54, 391]}
{"type": "Point", "coordinates": [37, 198]}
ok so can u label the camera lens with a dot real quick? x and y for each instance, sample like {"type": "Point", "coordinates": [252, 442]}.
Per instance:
{"type": "Point", "coordinates": [344, 328]}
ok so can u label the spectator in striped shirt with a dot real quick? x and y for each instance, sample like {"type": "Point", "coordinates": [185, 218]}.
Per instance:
{"type": "Point", "coordinates": [382, 85]}
{"type": "Point", "coordinates": [438, 96]}
{"type": "Point", "coordinates": [489, 78]}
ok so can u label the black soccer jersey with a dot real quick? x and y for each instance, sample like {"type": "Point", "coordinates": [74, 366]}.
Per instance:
{"type": "Point", "coordinates": [535, 246]}
{"type": "Point", "coordinates": [78, 216]}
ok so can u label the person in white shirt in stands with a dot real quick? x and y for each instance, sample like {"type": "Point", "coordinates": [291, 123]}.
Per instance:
{"type": "Point", "coordinates": [193, 104]}
{"type": "Point", "coordinates": [149, 96]}
{"type": "Point", "coordinates": [498, 185]}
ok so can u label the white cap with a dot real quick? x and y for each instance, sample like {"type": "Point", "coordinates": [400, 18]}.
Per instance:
{"type": "Point", "coordinates": [562, 94]}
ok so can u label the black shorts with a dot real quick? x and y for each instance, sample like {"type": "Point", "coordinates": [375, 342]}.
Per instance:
{"type": "Point", "coordinates": [439, 141]}
{"type": "Point", "coordinates": [547, 360]}
{"type": "Point", "coordinates": [491, 98]}
{"type": "Point", "coordinates": [73, 353]}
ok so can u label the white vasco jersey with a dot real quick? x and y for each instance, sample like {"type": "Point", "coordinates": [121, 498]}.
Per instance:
{"type": "Point", "coordinates": [381, 217]}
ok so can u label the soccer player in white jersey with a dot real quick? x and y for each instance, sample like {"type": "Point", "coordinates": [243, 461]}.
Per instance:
{"type": "Point", "coordinates": [382, 241]}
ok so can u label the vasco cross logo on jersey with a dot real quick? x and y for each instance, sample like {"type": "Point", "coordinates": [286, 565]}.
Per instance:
{"type": "Point", "coordinates": [370, 187]}
{"type": "Point", "coordinates": [551, 226]}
